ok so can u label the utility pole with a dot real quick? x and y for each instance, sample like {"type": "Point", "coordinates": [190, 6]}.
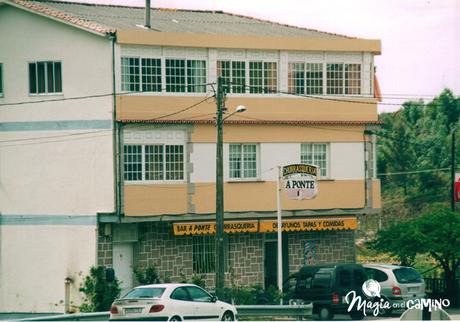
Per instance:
{"type": "Point", "coordinates": [220, 269]}
{"type": "Point", "coordinates": [452, 183]}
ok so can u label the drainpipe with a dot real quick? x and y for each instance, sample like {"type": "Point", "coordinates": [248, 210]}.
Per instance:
{"type": "Point", "coordinates": [67, 282]}
{"type": "Point", "coordinates": [116, 136]}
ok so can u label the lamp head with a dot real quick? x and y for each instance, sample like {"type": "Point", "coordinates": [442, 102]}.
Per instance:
{"type": "Point", "coordinates": [240, 109]}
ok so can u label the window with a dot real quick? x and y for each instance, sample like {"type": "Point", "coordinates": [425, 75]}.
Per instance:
{"type": "Point", "coordinates": [234, 74]}
{"type": "Point", "coordinates": [263, 77]}
{"type": "Point", "coordinates": [198, 295]}
{"type": "Point", "coordinates": [185, 76]}
{"type": "Point", "coordinates": [140, 74]}
{"type": "Point", "coordinates": [150, 292]}
{"type": "Point", "coordinates": [343, 79]}
{"type": "Point", "coordinates": [243, 161]}
{"type": "Point", "coordinates": [344, 277]}
{"type": "Point", "coordinates": [321, 280]}
{"type": "Point", "coordinates": [316, 154]}
{"type": "Point", "coordinates": [133, 162]}
{"type": "Point", "coordinates": [353, 79]}
{"type": "Point", "coordinates": [156, 162]}
{"type": "Point", "coordinates": [180, 294]}
{"type": "Point", "coordinates": [45, 77]}
{"type": "Point", "coordinates": [203, 253]}
{"type": "Point", "coordinates": [130, 74]}
{"type": "Point", "coordinates": [305, 78]}
{"type": "Point", "coordinates": [1, 79]}
{"type": "Point", "coordinates": [151, 75]}
{"type": "Point", "coordinates": [376, 274]}
{"type": "Point", "coordinates": [196, 76]}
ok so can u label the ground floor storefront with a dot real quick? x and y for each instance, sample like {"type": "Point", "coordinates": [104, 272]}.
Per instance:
{"type": "Point", "coordinates": [181, 250]}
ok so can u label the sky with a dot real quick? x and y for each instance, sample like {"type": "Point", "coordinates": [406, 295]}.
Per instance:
{"type": "Point", "coordinates": [420, 38]}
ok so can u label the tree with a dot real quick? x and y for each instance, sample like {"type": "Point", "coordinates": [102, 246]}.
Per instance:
{"type": "Point", "coordinates": [397, 240]}
{"type": "Point", "coordinates": [436, 232]}
{"type": "Point", "coordinates": [439, 232]}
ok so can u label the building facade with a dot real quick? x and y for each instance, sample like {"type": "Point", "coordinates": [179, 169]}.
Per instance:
{"type": "Point", "coordinates": [108, 145]}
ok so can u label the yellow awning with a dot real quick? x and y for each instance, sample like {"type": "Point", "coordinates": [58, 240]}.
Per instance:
{"type": "Point", "coordinates": [267, 226]}
{"type": "Point", "coordinates": [330, 223]}
{"type": "Point", "coordinates": [201, 228]}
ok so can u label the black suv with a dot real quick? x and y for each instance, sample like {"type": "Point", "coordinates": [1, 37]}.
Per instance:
{"type": "Point", "coordinates": [326, 287]}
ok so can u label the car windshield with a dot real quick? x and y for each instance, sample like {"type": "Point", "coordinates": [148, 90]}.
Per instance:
{"type": "Point", "coordinates": [145, 292]}
{"type": "Point", "coordinates": [407, 275]}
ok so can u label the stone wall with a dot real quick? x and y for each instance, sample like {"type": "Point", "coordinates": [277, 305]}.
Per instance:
{"type": "Point", "coordinates": [171, 255]}
{"type": "Point", "coordinates": [173, 258]}
{"type": "Point", "coordinates": [335, 246]}
{"type": "Point", "coordinates": [104, 248]}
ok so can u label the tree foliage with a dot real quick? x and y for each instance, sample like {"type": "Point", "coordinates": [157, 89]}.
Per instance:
{"type": "Point", "coordinates": [436, 232]}
{"type": "Point", "coordinates": [414, 145]}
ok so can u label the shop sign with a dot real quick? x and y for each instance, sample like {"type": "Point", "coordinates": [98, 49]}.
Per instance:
{"type": "Point", "coordinates": [309, 224]}
{"type": "Point", "coordinates": [201, 228]}
{"type": "Point", "coordinates": [300, 181]}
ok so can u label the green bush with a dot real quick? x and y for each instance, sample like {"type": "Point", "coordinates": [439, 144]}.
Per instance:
{"type": "Point", "coordinates": [99, 293]}
{"type": "Point", "coordinates": [199, 280]}
{"type": "Point", "coordinates": [251, 295]}
{"type": "Point", "coordinates": [148, 275]}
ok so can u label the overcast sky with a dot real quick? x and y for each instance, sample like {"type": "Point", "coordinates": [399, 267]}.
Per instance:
{"type": "Point", "coordinates": [420, 38]}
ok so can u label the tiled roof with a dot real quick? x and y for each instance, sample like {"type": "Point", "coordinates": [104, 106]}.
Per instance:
{"type": "Point", "coordinates": [108, 18]}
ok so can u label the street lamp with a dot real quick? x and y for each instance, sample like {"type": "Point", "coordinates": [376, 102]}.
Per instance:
{"type": "Point", "coordinates": [220, 253]}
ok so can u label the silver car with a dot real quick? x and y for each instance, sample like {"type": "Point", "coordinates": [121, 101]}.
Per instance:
{"type": "Point", "coordinates": [398, 284]}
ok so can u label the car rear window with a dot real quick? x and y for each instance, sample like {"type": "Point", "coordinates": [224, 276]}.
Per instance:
{"type": "Point", "coordinates": [145, 292]}
{"type": "Point", "coordinates": [321, 280]}
{"type": "Point", "coordinates": [407, 275]}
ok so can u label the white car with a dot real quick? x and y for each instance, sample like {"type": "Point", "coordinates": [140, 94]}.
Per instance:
{"type": "Point", "coordinates": [171, 302]}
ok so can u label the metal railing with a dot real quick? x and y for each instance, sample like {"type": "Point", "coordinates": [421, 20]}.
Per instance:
{"type": "Point", "coordinates": [268, 311]}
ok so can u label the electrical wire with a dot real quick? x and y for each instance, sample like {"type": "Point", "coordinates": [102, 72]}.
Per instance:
{"type": "Point", "coordinates": [109, 131]}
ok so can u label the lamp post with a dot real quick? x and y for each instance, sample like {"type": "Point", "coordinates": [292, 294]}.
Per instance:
{"type": "Point", "coordinates": [220, 252]}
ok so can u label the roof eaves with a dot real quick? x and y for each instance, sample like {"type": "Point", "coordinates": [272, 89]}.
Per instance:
{"type": "Point", "coordinates": [63, 17]}
{"type": "Point", "coordinates": [252, 122]}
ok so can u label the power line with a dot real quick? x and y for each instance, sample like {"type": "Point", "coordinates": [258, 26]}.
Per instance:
{"type": "Point", "coordinates": [109, 131]}
{"type": "Point", "coordinates": [165, 90]}
{"type": "Point", "coordinates": [412, 172]}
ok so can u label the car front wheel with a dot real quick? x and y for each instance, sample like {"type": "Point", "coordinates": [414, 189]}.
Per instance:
{"type": "Point", "coordinates": [175, 319]}
{"type": "Point", "coordinates": [228, 316]}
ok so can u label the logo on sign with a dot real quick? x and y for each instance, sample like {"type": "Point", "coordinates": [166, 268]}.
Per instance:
{"type": "Point", "coordinates": [300, 181]}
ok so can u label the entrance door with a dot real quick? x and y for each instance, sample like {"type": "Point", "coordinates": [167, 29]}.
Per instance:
{"type": "Point", "coordinates": [271, 260]}
{"type": "Point", "coordinates": [123, 265]}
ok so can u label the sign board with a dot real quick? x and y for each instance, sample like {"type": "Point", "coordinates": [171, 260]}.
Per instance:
{"type": "Point", "coordinates": [202, 228]}
{"type": "Point", "coordinates": [300, 181]}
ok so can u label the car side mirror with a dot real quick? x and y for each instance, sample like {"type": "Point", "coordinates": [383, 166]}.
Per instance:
{"type": "Point", "coordinates": [214, 299]}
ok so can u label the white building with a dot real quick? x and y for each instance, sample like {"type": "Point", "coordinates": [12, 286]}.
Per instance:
{"type": "Point", "coordinates": [76, 192]}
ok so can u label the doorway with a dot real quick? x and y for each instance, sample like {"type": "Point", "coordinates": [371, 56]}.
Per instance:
{"type": "Point", "coordinates": [271, 259]}
{"type": "Point", "coordinates": [123, 265]}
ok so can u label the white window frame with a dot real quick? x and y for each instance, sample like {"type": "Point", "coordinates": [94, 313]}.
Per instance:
{"type": "Point", "coordinates": [345, 90]}
{"type": "Point", "coordinates": [186, 75]}
{"type": "Point", "coordinates": [242, 177]}
{"type": "Point", "coordinates": [324, 172]}
{"type": "Point", "coordinates": [305, 89]}
{"type": "Point", "coordinates": [143, 164]}
{"type": "Point", "coordinates": [231, 87]}
{"type": "Point", "coordinates": [46, 92]}
{"type": "Point", "coordinates": [263, 87]}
